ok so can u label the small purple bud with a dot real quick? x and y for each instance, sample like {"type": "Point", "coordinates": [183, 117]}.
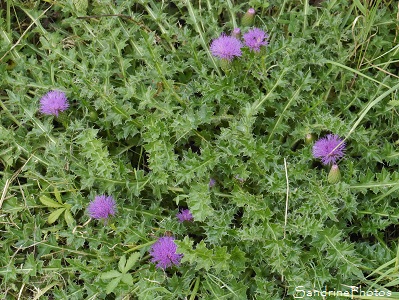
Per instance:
{"type": "Point", "coordinates": [212, 182]}
{"type": "Point", "coordinates": [184, 215]}
{"type": "Point", "coordinates": [241, 180]}
{"type": "Point", "coordinates": [236, 33]}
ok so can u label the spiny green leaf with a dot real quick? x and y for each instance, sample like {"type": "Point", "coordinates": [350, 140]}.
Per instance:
{"type": "Point", "coordinates": [394, 102]}
{"type": "Point", "coordinates": [81, 5]}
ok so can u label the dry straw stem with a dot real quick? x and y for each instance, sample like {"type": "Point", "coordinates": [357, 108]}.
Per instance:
{"type": "Point", "coordinates": [23, 34]}
{"type": "Point", "coordinates": [198, 29]}
{"type": "Point", "coordinates": [286, 203]}
{"type": "Point", "coordinates": [10, 180]}
{"type": "Point", "coordinates": [381, 69]}
{"type": "Point", "coordinates": [355, 71]}
{"type": "Point", "coordinates": [396, 48]}
{"type": "Point", "coordinates": [286, 197]}
{"type": "Point", "coordinates": [232, 15]}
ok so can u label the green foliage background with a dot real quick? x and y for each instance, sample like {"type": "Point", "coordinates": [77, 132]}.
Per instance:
{"type": "Point", "coordinates": [153, 117]}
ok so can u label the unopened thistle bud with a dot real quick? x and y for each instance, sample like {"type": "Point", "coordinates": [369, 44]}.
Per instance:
{"type": "Point", "coordinates": [248, 19]}
{"type": "Point", "coordinates": [63, 119]}
{"type": "Point", "coordinates": [309, 138]}
{"type": "Point", "coordinates": [236, 33]}
{"type": "Point", "coordinates": [335, 175]}
{"type": "Point", "coordinates": [225, 64]}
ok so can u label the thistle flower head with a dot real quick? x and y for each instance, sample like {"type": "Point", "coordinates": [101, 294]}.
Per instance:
{"type": "Point", "coordinates": [164, 254]}
{"type": "Point", "coordinates": [226, 47]}
{"type": "Point", "coordinates": [255, 38]}
{"type": "Point", "coordinates": [184, 215]}
{"type": "Point", "coordinates": [329, 149]}
{"type": "Point", "coordinates": [102, 207]}
{"type": "Point", "coordinates": [53, 103]}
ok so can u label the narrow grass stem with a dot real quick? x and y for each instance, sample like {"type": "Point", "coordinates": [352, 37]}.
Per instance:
{"type": "Point", "coordinates": [138, 247]}
{"type": "Point", "coordinates": [232, 15]}
{"type": "Point", "coordinates": [195, 289]}
{"type": "Point", "coordinates": [256, 105]}
{"type": "Point", "coordinates": [354, 71]}
{"type": "Point", "coordinates": [367, 108]}
{"type": "Point", "coordinates": [198, 29]}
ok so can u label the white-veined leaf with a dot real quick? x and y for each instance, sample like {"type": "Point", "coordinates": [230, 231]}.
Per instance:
{"type": "Point", "coordinates": [49, 202]}
{"type": "Point", "coordinates": [57, 195]}
{"type": "Point", "coordinates": [68, 216]}
{"type": "Point", "coordinates": [131, 261]}
{"type": "Point", "coordinates": [110, 274]}
{"type": "Point", "coordinates": [128, 279]}
{"type": "Point", "coordinates": [122, 263]}
{"type": "Point", "coordinates": [55, 215]}
{"type": "Point", "coordinates": [112, 285]}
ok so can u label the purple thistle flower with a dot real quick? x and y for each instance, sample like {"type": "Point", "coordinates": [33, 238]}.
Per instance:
{"type": "Point", "coordinates": [256, 38]}
{"type": "Point", "coordinates": [212, 182]}
{"type": "Point", "coordinates": [226, 47]}
{"type": "Point", "coordinates": [184, 215]}
{"type": "Point", "coordinates": [53, 102]}
{"type": "Point", "coordinates": [164, 254]}
{"type": "Point", "coordinates": [102, 207]}
{"type": "Point", "coordinates": [326, 149]}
